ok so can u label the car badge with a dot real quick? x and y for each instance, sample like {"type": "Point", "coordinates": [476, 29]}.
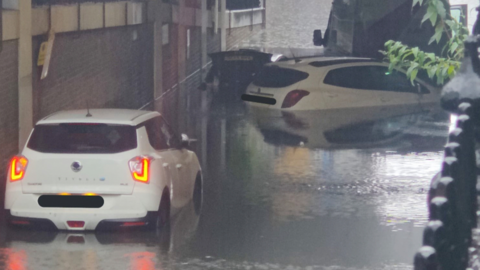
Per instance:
{"type": "Point", "coordinates": [76, 166]}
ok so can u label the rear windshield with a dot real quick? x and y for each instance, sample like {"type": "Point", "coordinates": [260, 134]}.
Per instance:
{"type": "Point", "coordinates": [276, 77]}
{"type": "Point", "coordinates": [83, 138]}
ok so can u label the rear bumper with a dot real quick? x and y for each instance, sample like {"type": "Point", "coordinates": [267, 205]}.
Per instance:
{"type": "Point", "coordinates": [117, 209]}
{"type": "Point", "coordinates": [40, 223]}
{"type": "Point", "coordinates": [103, 225]}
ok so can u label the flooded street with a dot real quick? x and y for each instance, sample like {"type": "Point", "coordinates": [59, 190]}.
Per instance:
{"type": "Point", "coordinates": [323, 190]}
{"type": "Point", "coordinates": [268, 205]}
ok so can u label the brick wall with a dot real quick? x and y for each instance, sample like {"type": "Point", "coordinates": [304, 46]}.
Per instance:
{"type": "Point", "coordinates": [8, 107]}
{"type": "Point", "coordinates": [107, 67]}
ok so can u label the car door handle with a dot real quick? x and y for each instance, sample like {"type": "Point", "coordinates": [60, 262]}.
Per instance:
{"type": "Point", "coordinates": [179, 166]}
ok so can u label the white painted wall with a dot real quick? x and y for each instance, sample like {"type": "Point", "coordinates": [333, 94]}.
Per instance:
{"type": "Point", "coordinates": [241, 18]}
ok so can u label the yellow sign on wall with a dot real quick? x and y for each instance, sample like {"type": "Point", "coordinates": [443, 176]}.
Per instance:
{"type": "Point", "coordinates": [46, 54]}
{"type": "Point", "coordinates": [42, 54]}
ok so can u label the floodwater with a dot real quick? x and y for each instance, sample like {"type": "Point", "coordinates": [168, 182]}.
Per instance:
{"type": "Point", "coordinates": [270, 203]}
{"type": "Point", "coordinates": [346, 193]}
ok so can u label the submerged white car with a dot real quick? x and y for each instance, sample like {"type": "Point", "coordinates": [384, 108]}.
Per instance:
{"type": "Point", "coordinates": [323, 83]}
{"type": "Point", "coordinates": [106, 168]}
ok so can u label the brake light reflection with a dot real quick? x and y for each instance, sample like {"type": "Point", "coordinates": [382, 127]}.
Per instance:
{"type": "Point", "coordinates": [18, 165]}
{"type": "Point", "coordinates": [15, 260]}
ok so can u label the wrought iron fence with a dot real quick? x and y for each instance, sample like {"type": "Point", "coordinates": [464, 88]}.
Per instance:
{"type": "Point", "coordinates": [452, 197]}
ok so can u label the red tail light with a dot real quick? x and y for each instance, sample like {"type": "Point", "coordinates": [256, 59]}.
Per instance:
{"type": "Point", "coordinates": [140, 168]}
{"type": "Point", "coordinates": [18, 165]}
{"type": "Point", "coordinates": [294, 97]}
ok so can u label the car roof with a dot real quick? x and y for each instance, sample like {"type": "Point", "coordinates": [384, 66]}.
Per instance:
{"type": "Point", "coordinates": [104, 116]}
{"type": "Point", "coordinates": [322, 61]}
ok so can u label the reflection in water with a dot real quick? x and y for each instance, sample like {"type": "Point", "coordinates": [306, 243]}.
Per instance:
{"type": "Point", "coordinates": [135, 250]}
{"type": "Point", "coordinates": [339, 128]}
{"type": "Point", "coordinates": [387, 174]}
{"type": "Point", "coordinates": [15, 259]}
{"type": "Point", "coordinates": [142, 260]}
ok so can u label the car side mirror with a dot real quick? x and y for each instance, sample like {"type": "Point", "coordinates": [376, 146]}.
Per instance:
{"type": "Point", "coordinates": [186, 141]}
{"type": "Point", "coordinates": [317, 38]}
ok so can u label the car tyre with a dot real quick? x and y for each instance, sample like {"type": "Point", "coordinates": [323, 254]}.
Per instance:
{"type": "Point", "coordinates": [162, 219]}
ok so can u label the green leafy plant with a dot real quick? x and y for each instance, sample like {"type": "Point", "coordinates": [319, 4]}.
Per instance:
{"type": "Point", "coordinates": [438, 67]}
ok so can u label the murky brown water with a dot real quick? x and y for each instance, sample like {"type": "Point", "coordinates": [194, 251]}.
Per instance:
{"type": "Point", "coordinates": [271, 206]}
{"type": "Point", "coordinates": [269, 202]}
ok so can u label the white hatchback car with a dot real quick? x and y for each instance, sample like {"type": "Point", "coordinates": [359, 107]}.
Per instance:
{"type": "Point", "coordinates": [107, 168]}
{"type": "Point", "coordinates": [324, 83]}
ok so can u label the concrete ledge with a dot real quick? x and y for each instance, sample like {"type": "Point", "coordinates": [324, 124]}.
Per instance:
{"type": "Point", "coordinates": [115, 14]}
{"type": "Point", "coordinates": [65, 18]}
{"type": "Point", "coordinates": [10, 24]}
{"type": "Point", "coordinates": [40, 20]}
{"type": "Point", "coordinates": [91, 16]}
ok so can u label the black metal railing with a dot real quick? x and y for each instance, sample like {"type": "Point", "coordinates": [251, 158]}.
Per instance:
{"type": "Point", "coordinates": [452, 197]}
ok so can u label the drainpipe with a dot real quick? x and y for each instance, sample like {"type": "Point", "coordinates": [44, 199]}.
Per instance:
{"type": "Point", "coordinates": [216, 16]}
{"type": "Point", "coordinates": [25, 88]}
{"type": "Point", "coordinates": [223, 24]}
{"type": "Point", "coordinates": [204, 32]}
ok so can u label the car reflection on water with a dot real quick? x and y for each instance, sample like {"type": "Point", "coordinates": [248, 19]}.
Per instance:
{"type": "Point", "coordinates": [343, 128]}
{"type": "Point", "coordinates": [129, 249]}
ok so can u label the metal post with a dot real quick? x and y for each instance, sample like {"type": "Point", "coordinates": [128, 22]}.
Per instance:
{"type": "Point", "coordinates": [25, 87]}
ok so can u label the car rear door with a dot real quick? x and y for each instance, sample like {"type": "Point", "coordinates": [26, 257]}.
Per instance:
{"type": "Point", "coordinates": [396, 88]}
{"type": "Point", "coordinates": [182, 160]}
{"type": "Point", "coordinates": [160, 143]}
{"type": "Point", "coordinates": [350, 85]}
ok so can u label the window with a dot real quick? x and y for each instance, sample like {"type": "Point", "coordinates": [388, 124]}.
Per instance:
{"type": "Point", "coordinates": [83, 138]}
{"type": "Point", "coordinates": [460, 13]}
{"type": "Point", "coordinates": [277, 77]}
{"type": "Point", "coordinates": [160, 134]}
{"type": "Point", "coordinates": [372, 78]}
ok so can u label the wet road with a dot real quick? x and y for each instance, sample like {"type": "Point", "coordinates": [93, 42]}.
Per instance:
{"type": "Point", "coordinates": [273, 204]}
{"type": "Point", "coordinates": [347, 192]}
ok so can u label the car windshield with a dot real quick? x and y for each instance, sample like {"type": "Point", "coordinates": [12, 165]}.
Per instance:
{"type": "Point", "coordinates": [83, 138]}
{"type": "Point", "coordinates": [240, 134]}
